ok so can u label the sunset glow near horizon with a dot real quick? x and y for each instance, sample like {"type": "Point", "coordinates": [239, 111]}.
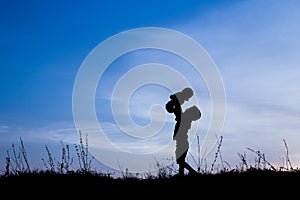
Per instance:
{"type": "Point", "coordinates": [254, 45]}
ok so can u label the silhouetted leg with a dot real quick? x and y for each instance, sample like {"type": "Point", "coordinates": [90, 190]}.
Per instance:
{"type": "Point", "coordinates": [189, 168]}
{"type": "Point", "coordinates": [176, 128]}
{"type": "Point", "coordinates": [180, 161]}
{"type": "Point", "coordinates": [181, 169]}
{"type": "Point", "coordinates": [180, 158]}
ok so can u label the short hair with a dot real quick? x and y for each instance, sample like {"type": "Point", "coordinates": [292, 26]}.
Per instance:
{"type": "Point", "coordinates": [188, 92]}
{"type": "Point", "coordinates": [193, 113]}
{"type": "Point", "coordinates": [183, 95]}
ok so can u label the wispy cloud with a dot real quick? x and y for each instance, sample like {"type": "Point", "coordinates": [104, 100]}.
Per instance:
{"type": "Point", "coordinates": [3, 128]}
{"type": "Point", "coordinates": [255, 44]}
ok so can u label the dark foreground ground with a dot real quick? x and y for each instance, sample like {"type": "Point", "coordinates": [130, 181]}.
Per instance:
{"type": "Point", "coordinates": [233, 185]}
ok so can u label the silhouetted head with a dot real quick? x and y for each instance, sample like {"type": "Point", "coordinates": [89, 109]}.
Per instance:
{"type": "Point", "coordinates": [193, 113]}
{"type": "Point", "coordinates": [183, 95]}
{"type": "Point", "coordinates": [187, 92]}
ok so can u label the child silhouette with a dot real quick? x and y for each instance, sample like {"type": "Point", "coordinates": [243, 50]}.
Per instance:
{"type": "Point", "coordinates": [183, 124]}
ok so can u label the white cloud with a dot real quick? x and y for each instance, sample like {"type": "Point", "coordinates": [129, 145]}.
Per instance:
{"type": "Point", "coordinates": [255, 44]}
{"type": "Point", "coordinates": [3, 128]}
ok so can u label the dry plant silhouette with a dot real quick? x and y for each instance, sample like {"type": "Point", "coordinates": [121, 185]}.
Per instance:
{"type": "Point", "coordinates": [60, 173]}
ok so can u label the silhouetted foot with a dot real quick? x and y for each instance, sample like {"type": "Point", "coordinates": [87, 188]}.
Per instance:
{"type": "Point", "coordinates": [192, 173]}
{"type": "Point", "coordinates": [178, 175]}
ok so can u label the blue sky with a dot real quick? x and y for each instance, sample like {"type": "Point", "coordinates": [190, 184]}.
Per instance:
{"type": "Point", "coordinates": [253, 43]}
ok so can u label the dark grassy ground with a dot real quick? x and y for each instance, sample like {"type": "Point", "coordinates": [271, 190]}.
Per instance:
{"type": "Point", "coordinates": [58, 183]}
{"type": "Point", "coordinates": [251, 183]}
